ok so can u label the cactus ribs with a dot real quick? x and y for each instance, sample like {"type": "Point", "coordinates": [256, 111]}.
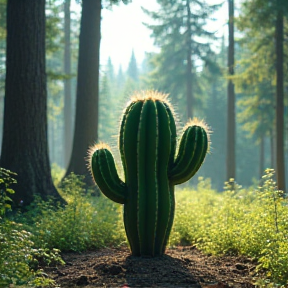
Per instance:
{"type": "Point", "coordinates": [147, 144]}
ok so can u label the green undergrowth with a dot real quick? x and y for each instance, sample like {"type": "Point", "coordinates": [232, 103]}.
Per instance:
{"type": "Point", "coordinates": [86, 223]}
{"type": "Point", "coordinates": [251, 222]}
{"type": "Point", "coordinates": [35, 238]}
{"type": "Point", "coordinates": [19, 256]}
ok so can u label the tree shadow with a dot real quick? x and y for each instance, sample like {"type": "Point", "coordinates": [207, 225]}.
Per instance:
{"type": "Point", "coordinates": [163, 271]}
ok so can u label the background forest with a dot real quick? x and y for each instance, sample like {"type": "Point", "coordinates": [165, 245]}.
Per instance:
{"type": "Point", "coordinates": [166, 71]}
{"type": "Point", "coordinates": [56, 100]}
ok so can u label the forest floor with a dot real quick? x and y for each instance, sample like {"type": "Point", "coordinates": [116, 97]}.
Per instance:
{"type": "Point", "coordinates": [180, 267]}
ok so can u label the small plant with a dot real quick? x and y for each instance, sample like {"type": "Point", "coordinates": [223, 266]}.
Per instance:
{"type": "Point", "coordinates": [19, 259]}
{"type": "Point", "coordinates": [274, 257]}
{"type": "Point", "coordinates": [6, 180]}
{"type": "Point", "coordinates": [85, 223]}
{"type": "Point", "coordinates": [271, 195]}
{"type": "Point", "coordinates": [147, 144]}
{"type": "Point", "coordinates": [57, 174]}
{"type": "Point", "coordinates": [18, 255]}
{"type": "Point", "coordinates": [251, 222]}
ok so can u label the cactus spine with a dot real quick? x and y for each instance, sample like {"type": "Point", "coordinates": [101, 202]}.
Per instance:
{"type": "Point", "coordinates": [147, 143]}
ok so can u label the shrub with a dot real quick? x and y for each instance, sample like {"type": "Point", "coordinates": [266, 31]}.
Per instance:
{"type": "Point", "coordinates": [87, 222]}
{"type": "Point", "coordinates": [238, 221]}
{"type": "Point", "coordinates": [6, 180]}
{"type": "Point", "coordinates": [19, 259]}
{"type": "Point", "coordinates": [18, 256]}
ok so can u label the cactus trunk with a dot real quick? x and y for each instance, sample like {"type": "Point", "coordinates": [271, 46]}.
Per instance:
{"type": "Point", "coordinates": [146, 152]}
{"type": "Point", "coordinates": [147, 143]}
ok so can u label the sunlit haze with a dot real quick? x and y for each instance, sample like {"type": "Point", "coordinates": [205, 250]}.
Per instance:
{"type": "Point", "coordinates": [123, 31]}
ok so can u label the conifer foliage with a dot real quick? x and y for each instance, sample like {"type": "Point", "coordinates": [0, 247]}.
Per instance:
{"type": "Point", "coordinates": [268, 54]}
{"type": "Point", "coordinates": [132, 68]}
{"type": "Point", "coordinates": [177, 30]}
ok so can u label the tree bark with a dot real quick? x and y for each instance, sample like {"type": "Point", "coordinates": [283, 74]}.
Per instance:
{"type": "Point", "coordinates": [272, 149]}
{"type": "Point", "coordinates": [280, 156]}
{"type": "Point", "coordinates": [2, 61]}
{"type": "Point", "coordinates": [24, 147]}
{"type": "Point", "coordinates": [86, 122]}
{"type": "Point", "coordinates": [189, 76]}
{"type": "Point", "coordinates": [262, 156]}
{"type": "Point", "coordinates": [231, 126]}
{"type": "Point", "coordinates": [68, 137]}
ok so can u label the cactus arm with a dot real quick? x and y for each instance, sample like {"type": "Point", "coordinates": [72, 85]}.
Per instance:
{"type": "Point", "coordinates": [106, 176]}
{"type": "Point", "coordinates": [186, 151]}
{"type": "Point", "coordinates": [147, 177]}
{"type": "Point", "coordinates": [128, 149]}
{"type": "Point", "coordinates": [192, 151]}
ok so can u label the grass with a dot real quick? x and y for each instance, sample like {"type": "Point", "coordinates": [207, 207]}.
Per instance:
{"type": "Point", "coordinates": [251, 222]}
{"type": "Point", "coordinates": [18, 254]}
{"type": "Point", "coordinates": [86, 223]}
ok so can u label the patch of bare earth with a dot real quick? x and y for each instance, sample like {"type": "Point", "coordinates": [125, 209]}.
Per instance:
{"type": "Point", "coordinates": [180, 267]}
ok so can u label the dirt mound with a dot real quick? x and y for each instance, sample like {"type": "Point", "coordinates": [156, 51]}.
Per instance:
{"type": "Point", "coordinates": [180, 267]}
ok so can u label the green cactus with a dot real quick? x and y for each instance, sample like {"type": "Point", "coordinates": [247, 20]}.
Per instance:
{"type": "Point", "coordinates": [147, 144]}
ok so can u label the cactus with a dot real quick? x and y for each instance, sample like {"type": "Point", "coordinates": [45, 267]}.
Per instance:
{"type": "Point", "coordinates": [147, 143]}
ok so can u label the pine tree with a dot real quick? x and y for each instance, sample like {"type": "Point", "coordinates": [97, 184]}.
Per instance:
{"type": "Point", "coordinates": [107, 103]}
{"type": "Point", "coordinates": [177, 30]}
{"type": "Point", "coordinates": [55, 79]}
{"type": "Point", "coordinates": [105, 109]}
{"type": "Point", "coordinates": [257, 117]}
{"type": "Point", "coordinates": [120, 78]}
{"type": "Point", "coordinates": [132, 68]}
{"type": "Point", "coordinates": [269, 15]}
{"type": "Point", "coordinates": [215, 88]}
{"type": "Point", "coordinates": [231, 117]}
{"type": "Point", "coordinates": [67, 84]}
{"type": "Point", "coordinates": [2, 61]}
{"type": "Point", "coordinates": [110, 70]}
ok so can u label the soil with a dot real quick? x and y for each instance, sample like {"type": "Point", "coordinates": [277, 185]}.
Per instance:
{"type": "Point", "coordinates": [180, 267]}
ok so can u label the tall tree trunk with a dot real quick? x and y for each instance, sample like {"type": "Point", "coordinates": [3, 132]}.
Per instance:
{"type": "Point", "coordinates": [67, 85]}
{"type": "Point", "coordinates": [189, 76]}
{"type": "Point", "coordinates": [86, 122]}
{"type": "Point", "coordinates": [50, 140]}
{"type": "Point", "coordinates": [231, 127]}
{"type": "Point", "coordinates": [2, 62]}
{"type": "Point", "coordinates": [24, 147]}
{"type": "Point", "coordinates": [262, 156]}
{"type": "Point", "coordinates": [280, 156]}
{"type": "Point", "coordinates": [272, 150]}
{"type": "Point", "coordinates": [53, 134]}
